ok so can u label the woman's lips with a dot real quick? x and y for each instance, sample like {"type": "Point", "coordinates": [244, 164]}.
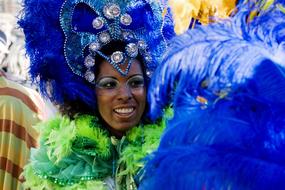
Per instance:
{"type": "Point", "coordinates": [124, 112]}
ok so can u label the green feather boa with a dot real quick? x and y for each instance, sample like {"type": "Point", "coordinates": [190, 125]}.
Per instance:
{"type": "Point", "coordinates": [80, 154]}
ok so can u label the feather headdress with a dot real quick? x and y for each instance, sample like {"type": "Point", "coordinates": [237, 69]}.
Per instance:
{"type": "Point", "coordinates": [59, 32]}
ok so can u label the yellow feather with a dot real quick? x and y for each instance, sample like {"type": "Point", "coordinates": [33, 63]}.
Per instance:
{"type": "Point", "coordinates": [281, 8]}
{"type": "Point", "coordinates": [202, 10]}
{"type": "Point", "coordinates": [267, 4]}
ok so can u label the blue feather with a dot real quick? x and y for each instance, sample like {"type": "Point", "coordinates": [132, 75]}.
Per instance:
{"type": "Point", "coordinates": [204, 56]}
{"type": "Point", "coordinates": [237, 143]}
{"type": "Point", "coordinates": [236, 139]}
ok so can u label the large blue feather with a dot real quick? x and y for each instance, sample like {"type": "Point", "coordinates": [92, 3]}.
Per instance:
{"type": "Point", "coordinates": [236, 143]}
{"type": "Point", "coordinates": [236, 139]}
{"type": "Point", "coordinates": [206, 53]}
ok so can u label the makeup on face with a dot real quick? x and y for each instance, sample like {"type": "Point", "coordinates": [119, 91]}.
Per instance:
{"type": "Point", "coordinates": [121, 99]}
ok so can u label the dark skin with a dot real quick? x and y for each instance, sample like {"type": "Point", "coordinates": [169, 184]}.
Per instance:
{"type": "Point", "coordinates": [121, 99]}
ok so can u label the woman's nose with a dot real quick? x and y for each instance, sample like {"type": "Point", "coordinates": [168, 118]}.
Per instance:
{"type": "Point", "coordinates": [124, 92]}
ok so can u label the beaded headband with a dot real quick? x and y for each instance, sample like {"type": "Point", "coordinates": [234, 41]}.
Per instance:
{"type": "Point", "coordinates": [110, 21]}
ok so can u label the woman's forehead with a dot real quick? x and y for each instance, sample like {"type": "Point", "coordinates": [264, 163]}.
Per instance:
{"type": "Point", "coordinates": [106, 69]}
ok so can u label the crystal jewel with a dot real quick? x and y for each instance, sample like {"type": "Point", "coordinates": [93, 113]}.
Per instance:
{"type": "Point", "coordinates": [104, 37]}
{"type": "Point", "coordinates": [128, 35]}
{"type": "Point", "coordinates": [89, 76]}
{"type": "Point", "coordinates": [117, 57]}
{"type": "Point", "coordinates": [132, 50]}
{"type": "Point", "coordinates": [147, 57]}
{"type": "Point", "coordinates": [142, 45]}
{"type": "Point", "coordinates": [98, 23]}
{"type": "Point", "coordinates": [111, 11]}
{"type": "Point", "coordinates": [126, 19]}
{"type": "Point", "coordinates": [94, 46]}
{"type": "Point", "coordinates": [148, 73]}
{"type": "Point", "coordinates": [89, 61]}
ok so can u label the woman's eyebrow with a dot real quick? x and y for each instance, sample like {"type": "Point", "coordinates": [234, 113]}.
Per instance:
{"type": "Point", "coordinates": [135, 75]}
{"type": "Point", "coordinates": [103, 77]}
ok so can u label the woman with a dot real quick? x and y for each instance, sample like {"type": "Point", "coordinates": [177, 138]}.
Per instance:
{"type": "Point", "coordinates": [121, 99]}
{"type": "Point", "coordinates": [93, 59]}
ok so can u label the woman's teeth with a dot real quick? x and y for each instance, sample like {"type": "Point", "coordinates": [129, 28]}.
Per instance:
{"type": "Point", "coordinates": [124, 110]}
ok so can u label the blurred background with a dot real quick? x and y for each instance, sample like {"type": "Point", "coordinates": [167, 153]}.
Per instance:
{"type": "Point", "coordinates": [13, 60]}
{"type": "Point", "coordinates": [12, 53]}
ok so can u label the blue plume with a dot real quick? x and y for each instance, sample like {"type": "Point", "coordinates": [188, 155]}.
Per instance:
{"type": "Point", "coordinates": [238, 142]}
{"type": "Point", "coordinates": [44, 45]}
{"type": "Point", "coordinates": [235, 138]}
{"type": "Point", "coordinates": [203, 56]}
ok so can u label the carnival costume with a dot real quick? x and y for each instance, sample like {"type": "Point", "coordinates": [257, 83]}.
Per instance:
{"type": "Point", "coordinates": [63, 39]}
{"type": "Point", "coordinates": [226, 84]}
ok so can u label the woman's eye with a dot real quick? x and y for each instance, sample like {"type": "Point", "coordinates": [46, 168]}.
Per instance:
{"type": "Point", "coordinates": [136, 82]}
{"type": "Point", "coordinates": [107, 84]}
{"type": "Point", "coordinates": [110, 85]}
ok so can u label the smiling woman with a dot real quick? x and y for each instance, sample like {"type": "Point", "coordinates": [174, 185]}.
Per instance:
{"type": "Point", "coordinates": [93, 59]}
{"type": "Point", "coordinates": [121, 100]}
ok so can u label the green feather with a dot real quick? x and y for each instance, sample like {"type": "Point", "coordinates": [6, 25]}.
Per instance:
{"type": "Point", "coordinates": [87, 127]}
{"type": "Point", "coordinates": [82, 148]}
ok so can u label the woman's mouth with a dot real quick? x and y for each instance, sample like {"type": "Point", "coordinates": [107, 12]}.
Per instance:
{"type": "Point", "coordinates": [124, 111]}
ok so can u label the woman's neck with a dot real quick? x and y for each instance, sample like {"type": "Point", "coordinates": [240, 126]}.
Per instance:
{"type": "Point", "coordinates": [116, 133]}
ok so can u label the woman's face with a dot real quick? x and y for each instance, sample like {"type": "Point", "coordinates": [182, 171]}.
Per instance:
{"type": "Point", "coordinates": [121, 100]}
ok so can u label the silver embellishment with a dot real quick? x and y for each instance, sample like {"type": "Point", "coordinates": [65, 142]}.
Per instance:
{"type": "Point", "coordinates": [142, 45]}
{"type": "Point", "coordinates": [148, 73]}
{"type": "Point", "coordinates": [147, 57]}
{"type": "Point", "coordinates": [104, 37]}
{"type": "Point", "coordinates": [89, 76]}
{"type": "Point", "coordinates": [98, 23]}
{"type": "Point", "coordinates": [126, 19]}
{"type": "Point", "coordinates": [94, 46]}
{"type": "Point", "coordinates": [128, 35]}
{"type": "Point", "coordinates": [89, 61]}
{"type": "Point", "coordinates": [111, 11]}
{"type": "Point", "coordinates": [117, 57]}
{"type": "Point", "coordinates": [132, 50]}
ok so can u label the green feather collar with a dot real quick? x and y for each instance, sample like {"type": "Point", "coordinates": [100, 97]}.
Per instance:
{"type": "Point", "coordinates": [80, 153]}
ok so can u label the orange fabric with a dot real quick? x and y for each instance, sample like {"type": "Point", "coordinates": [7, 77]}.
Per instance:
{"type": "Point", "coordinates": [19, 111]}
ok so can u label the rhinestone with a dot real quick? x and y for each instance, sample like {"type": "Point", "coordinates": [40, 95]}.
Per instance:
{"type": "Point", "coordinates": [117, 57]}
{"type": "Point", "coordinates": [148, 73]}
{"type": "Point", "coordinates": [128, 35]}
{"type": "Point", "coordinates": [142, 45]}
{"type": "Point", "coordinates": [132, 50]}
{"type": "Point", "coordinates": [89, 76]}
{"type": "Point", "coordinates": [104, 37]}
{"type": "Point", "coordinates": [94, 46]}
{"type": "Point", "coordinates": [89, 61]}
{"type": "Point", "coordinates": [111, 11]}
{"type": "Point", "coordinates": [147, 57]}
{"type": "Point", "coordinates": [98, 23]}
{"type": "Point", "coordinates": [126, 19]}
